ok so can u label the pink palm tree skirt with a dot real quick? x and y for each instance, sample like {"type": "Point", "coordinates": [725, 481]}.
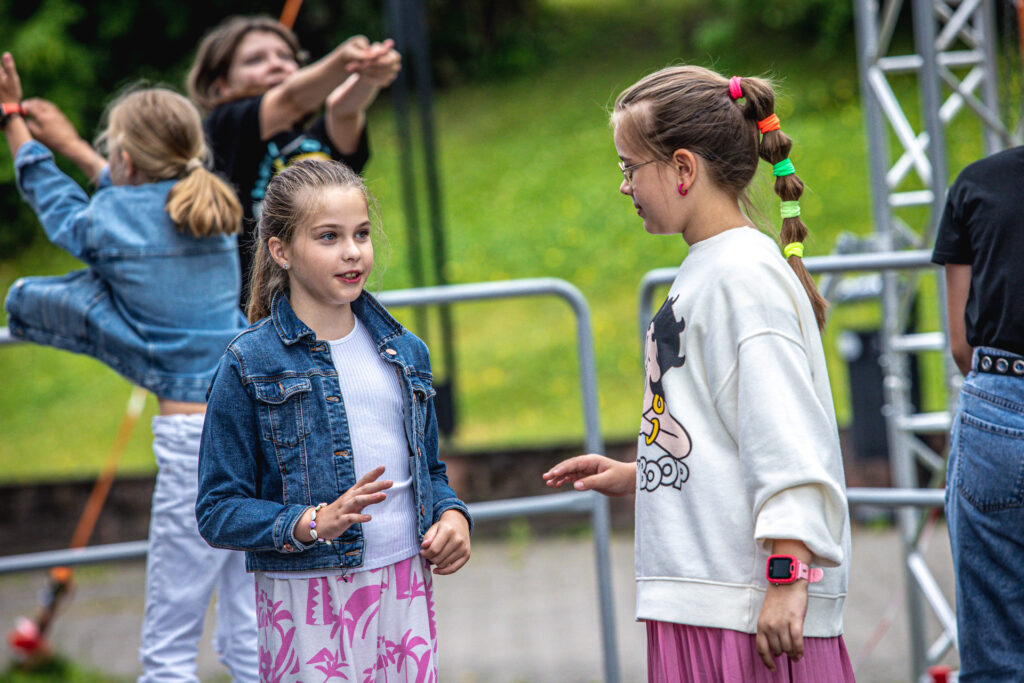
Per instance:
{"type": "Point", "coordinates": [376, 625]}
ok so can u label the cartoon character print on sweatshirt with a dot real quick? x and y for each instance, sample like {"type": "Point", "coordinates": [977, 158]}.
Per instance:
{"type": "Point", "coordinates": [663, 351]}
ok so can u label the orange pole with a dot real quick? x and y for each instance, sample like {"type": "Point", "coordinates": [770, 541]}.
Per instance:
{"type": "Point", "coordinates": [101, 488]}
{"type": "Point", "coordinates": [290, 11]}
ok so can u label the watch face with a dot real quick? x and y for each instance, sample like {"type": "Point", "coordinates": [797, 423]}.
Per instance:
{"type": "Point", "coordinates": [780, 568]}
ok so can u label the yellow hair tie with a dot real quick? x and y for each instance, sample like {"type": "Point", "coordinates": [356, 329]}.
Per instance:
{"type": "Point", "coordinates": [793, 249]}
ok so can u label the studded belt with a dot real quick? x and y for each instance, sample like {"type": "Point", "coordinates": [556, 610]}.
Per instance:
{"type": "Point", "coordinates": [1000, 365]}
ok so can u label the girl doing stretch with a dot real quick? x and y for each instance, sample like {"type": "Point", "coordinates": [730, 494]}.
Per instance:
{"type": "Point", "coordinates": [158, 304]}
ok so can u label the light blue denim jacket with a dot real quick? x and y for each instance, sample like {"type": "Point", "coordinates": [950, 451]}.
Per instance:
{"type": "Point", "coordinates": [276, 440]}
{"type": "Point", "coordinates": [155, 304]}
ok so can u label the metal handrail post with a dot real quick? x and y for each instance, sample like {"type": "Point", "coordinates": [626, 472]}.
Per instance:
{"type": "Point", "coordinates": [590, 501]}
{"type": "Point", "coordinates": [600, 509]}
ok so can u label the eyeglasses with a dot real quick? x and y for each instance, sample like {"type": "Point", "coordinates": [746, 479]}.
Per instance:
{"type": "Point", "coordinates": [627, 171]}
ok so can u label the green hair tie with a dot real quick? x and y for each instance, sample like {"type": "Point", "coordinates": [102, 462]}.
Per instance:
{"type": "Point", "coordinates": [793, 249]}
{"type": "Point", "coordinates": [790, 209]}
{"type": "Point", "coordinates": [784, 167]}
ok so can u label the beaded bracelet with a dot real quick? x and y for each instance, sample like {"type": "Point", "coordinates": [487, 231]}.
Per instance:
{"type": "Point", "coordinates": [312, 525]}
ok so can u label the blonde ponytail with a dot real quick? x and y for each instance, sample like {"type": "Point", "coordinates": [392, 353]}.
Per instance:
{"type": "Point", "coordinates": [203, 205]}
{"type": "Point", "coordinates": [162, 133]}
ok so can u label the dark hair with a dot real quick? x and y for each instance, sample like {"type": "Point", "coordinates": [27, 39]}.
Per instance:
{"type": "Point", "coordinates": [290, 197]}
{"type": "Point", "coordinates": [689, 107]}
{"type": "Point", "coordinates": [665, 333]}
{"type": "Point", "coordinates": [217, 50]}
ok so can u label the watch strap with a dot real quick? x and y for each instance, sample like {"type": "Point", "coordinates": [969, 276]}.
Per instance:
{"type": "Point", "coordinates": [812, 574]}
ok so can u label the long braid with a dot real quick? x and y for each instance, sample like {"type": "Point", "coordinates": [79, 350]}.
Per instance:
{"type": "Point", "coordinates": [775, 148]}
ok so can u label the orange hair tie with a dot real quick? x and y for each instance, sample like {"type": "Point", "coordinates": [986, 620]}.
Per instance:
{"type": "Point", "coordinates": [768, 124]}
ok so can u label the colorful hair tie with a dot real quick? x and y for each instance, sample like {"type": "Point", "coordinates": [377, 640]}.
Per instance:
{"type": "Point", "coordinates": [768, 124]}
{"type": "Point", "coordinates": [790, 209]}
{"type": "Point", "coordinates": [784, 167]}
{"type": "Point", "coordinates": [735, 89]}
{"type": "Point", "coordinates": [793, 249]}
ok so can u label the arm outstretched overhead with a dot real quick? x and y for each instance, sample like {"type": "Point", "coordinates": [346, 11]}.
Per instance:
{"type": "Point", "coordinates": [348, 79]}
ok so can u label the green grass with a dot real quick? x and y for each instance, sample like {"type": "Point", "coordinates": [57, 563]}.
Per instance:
{"type": "Point", "coordinates": [529, 186]}
{"type": "Point", "coordinates": [59, 670]}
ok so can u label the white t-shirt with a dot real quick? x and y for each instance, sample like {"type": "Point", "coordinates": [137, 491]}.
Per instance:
{"type": "Point", "coordinates": [372, 396]}
{"type": "Point", "coordinates": [738, 442]}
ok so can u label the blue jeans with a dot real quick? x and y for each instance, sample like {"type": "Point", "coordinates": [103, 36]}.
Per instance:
{"type": "Point", "coordinates": [985, 513]}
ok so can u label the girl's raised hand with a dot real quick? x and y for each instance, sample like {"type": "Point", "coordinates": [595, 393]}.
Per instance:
{"type": "Point", "coordinates": [594, 472]}
{"type": "Point", "coordinates": [382, 67]}
{"type": "Point", "coordinates": [50, 126]}
{"type": "Point", "coordinates": [10, 83]}
{"type": "Point", "coordinates": [334, 519]}
{"type": "Point", "coordinates": [446, 543]}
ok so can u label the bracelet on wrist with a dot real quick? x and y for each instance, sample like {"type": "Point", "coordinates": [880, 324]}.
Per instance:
{"type": "Point", "coordinates": [9, 110]}
{"type": "Point", "coordinates": [312, 525]}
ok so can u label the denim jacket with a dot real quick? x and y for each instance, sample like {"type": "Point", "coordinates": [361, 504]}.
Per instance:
{"type": "Point", "coordinates": [276, 440]}
{"type": "Point", "coordinates": [155, 304]}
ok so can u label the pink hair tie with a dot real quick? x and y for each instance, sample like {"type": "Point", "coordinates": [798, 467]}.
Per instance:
{"type": "Point", "coordinates": [735, 91]}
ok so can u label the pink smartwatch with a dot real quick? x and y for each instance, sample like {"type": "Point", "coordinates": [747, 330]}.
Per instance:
{"type": "Point", "coordinates": [787, 569]}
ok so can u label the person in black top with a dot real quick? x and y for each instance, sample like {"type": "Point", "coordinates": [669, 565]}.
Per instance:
{"type": "Point", "coordinates": [981, 244]}
{"type": "Point", "coordinates": [247, 76]}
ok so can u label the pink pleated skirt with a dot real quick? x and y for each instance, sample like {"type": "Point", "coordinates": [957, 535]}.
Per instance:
{"type": "Point", "coordinates": [677, 653]}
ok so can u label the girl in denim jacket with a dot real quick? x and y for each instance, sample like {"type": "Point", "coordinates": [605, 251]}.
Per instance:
{"type": "Point", "coordinates": [158, 305]}
{"type": "Point", "coordinates": [311, 406]}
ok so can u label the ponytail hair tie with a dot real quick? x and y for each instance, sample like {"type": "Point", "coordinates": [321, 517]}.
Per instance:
{"type": "Point", "coordinates": [193, 164]}
{"type": "Point", "coordinates": [793, 249]}
{"type": "Point", "coordinates": [790, 209]}
{"type": "Point", "coordinates": [784, 167]}
{"type": "Point", "coordinates": [735, 89]}
{"type": "Point", "coordinates": [768, 124]}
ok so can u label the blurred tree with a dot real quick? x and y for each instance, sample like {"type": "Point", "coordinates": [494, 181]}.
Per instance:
{"type": "Point", "coordinates": [80, 54]}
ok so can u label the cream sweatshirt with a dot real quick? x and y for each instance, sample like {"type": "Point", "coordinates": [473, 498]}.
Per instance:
{"type": "Point", "coordinates": [738, 443]}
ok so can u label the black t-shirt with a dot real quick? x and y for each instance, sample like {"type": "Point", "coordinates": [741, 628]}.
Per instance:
{"type": "Point", "coordinates": [233, 132]}
{"type": "Point", "coordinates": [983, 226]}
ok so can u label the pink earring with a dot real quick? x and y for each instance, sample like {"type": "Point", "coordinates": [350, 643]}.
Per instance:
{"type": "Point", "coordinates": [682, 192]}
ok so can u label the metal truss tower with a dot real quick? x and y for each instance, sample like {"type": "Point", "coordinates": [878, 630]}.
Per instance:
{"type": "Point", "coordinates": [954, 64]}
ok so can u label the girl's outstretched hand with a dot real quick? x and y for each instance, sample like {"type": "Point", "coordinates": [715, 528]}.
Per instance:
{"type": "Point", "coordinates": [595, 473]}
{"type": "Point", "coordinates": [334, 519]}
{"type": "Point", "coordinates": [446, 543]}
{"type": "Point", "coordinates": [10, 82]}
{"type": "Point", "coordinates": [382, 64]}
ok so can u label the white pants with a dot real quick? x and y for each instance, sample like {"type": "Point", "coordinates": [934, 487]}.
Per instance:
{"type": "Point", "coordinates": [182, 571]}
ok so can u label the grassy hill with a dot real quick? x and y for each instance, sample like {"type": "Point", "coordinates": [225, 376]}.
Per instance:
{"type": "Point", "coordinates": [529, 185]}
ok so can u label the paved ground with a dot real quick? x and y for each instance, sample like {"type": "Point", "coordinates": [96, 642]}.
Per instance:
{"type": "Point", "coordinates": [522, 610]}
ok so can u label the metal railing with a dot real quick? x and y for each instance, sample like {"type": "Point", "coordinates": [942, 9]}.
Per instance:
{"type": "Point", "coordinates": [586, 502]}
